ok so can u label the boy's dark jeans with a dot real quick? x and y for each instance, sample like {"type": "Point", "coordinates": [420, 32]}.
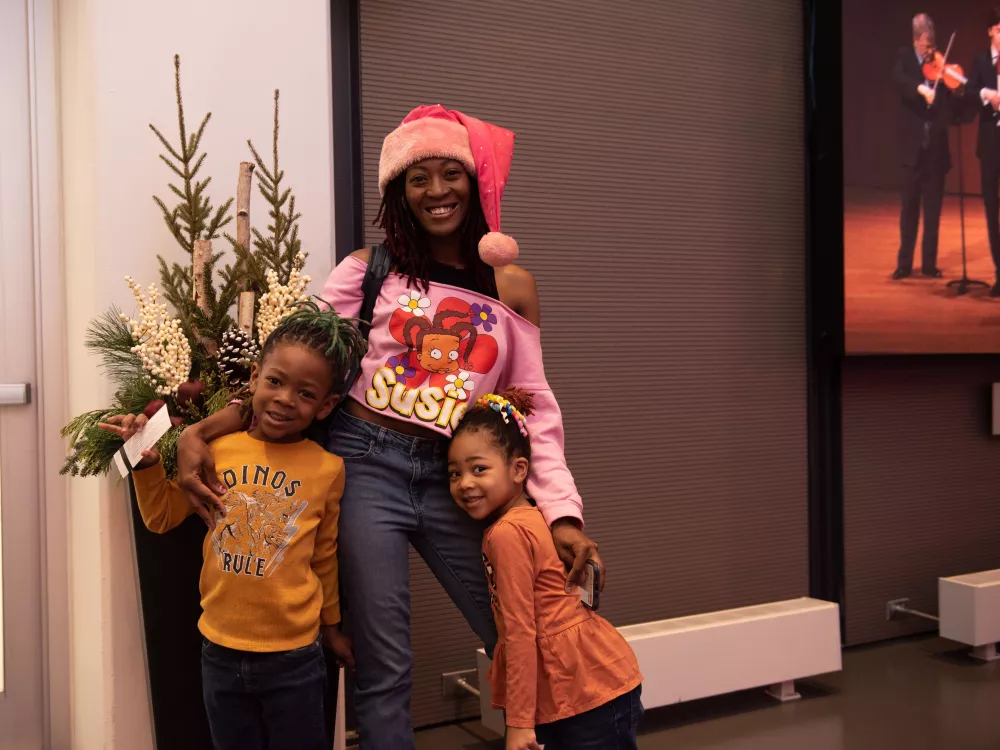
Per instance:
{"type": "Point", "coordinates": [264, 701]}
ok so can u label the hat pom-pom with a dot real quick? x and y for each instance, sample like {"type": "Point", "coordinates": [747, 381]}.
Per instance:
{"type": "Point", "coordinates": [498, 250]}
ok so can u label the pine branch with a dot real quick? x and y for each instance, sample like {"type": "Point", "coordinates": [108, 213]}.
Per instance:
{"type": "Point", "coordinates": [192, 218]}
{"type": "Point", "coordinates": [213, 325]}
{"type": "Point", "coordinates": [212, 322]}
{"type": "Point", "coordinates": [170, 164]}
{"type": "Point", "coordinates": [263, 172]}
{"type": "Point", "coordinates": [170, 217]}
{"type": "Point", "coordinates": [211, 296]}
{"type": "Point", "coordinates": [176, 282]}
{"type": "Point", "coordinates": [168, 450]}
{"type": "Point", "coordinates": [91, 449]}
{"type": "Point", "coordinates": [218, 401]}
{"type": "Point", "coordinates": [166, 144]}
{"type": "Point", "coordinates": [109, 332]}
{"type": "Point", "coordinates": [197, 165]}
{"type": "Point", "coordinates": [111, 337]}
{"type": "Point", "coordinates": [177, 286]}
{"type": "Point", "coordinates": [248, 266]}
{"type": "Point", "coordinates": [220, 301]}
{"type": "Point", "coordinates": [134, 394]}
{"type": "Point", "coordinates": [78, 424]}
{"type": "Point", "coordinates": [182, 209]}
{"type": "Point", "coordinates": [220, 220]}
{"type": "Point", "coordinates": [196, 138]}
{"type": "Point", "coordinates": [180, 107]}
{"type": "Point", "coordinates": [278, 250]}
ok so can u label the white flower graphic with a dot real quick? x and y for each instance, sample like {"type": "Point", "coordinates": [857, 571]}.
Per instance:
{"type": "Point", "coordinates": [459, 386]}
{"type": "Point", "coordinates": [414, 303]}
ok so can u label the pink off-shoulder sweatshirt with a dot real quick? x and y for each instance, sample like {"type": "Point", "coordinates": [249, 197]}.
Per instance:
{"type": "Point", "coordinates": [432, 355]}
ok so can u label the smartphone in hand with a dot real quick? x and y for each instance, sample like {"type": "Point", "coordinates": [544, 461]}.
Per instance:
{"type": "Point", "coordinates": [590, 586]}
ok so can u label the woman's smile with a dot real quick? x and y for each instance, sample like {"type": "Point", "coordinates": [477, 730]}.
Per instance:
{"type": "Point", "coordinates": [441, 212]}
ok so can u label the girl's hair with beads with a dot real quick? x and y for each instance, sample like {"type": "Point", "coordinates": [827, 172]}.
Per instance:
{"type": "Point", "coordinates": [335, 338]}
{"type": "Point", "coordinates": [502, 416]}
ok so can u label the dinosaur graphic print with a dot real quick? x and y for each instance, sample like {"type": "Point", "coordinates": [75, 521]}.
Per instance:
{"type": "Point", "coordinates": [253, 535]}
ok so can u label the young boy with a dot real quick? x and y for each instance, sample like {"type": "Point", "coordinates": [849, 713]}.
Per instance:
{"type": "Point", "coordinates": [269, 580]}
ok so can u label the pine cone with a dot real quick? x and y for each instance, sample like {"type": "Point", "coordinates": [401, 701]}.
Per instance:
{"type": "Point", "coordinates": [237, 354]}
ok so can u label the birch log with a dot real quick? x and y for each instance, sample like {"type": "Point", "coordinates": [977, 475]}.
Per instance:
{"type": "Point", "coordinates": [246, 312]}
{"type": "Point", "coordinates": [243, 212]}
{"type": "Point", "coordinates": [199, 277]}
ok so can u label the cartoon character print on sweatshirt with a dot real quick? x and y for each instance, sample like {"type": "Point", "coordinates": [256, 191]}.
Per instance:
{"type": "Point", "coordinates": [251, 539]}
{"type": "Point", "coordinates": [434, 377]}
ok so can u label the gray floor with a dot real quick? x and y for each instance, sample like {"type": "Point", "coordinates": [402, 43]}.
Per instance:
{"type": "Point", "coordinates": [919, 694]}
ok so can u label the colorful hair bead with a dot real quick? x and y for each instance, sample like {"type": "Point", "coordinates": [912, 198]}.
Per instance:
{"type": "Point", "coordinates": [506, 410]}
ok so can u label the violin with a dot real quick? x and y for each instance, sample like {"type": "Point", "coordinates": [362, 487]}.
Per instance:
{"type": "Point", "coordinates": [936, 68]}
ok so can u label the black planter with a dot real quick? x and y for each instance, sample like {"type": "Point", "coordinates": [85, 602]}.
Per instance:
{"type": "Point", "coordinates": [169, 566]}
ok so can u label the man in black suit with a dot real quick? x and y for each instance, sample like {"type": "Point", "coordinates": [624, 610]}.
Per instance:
{"type": "Point", "coordinates": [983, 92]}
{"type": "Point", "coordinates": [926, 112]}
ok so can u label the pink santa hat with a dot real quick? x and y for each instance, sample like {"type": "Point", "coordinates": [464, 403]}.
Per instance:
{"type": "Point", "coordinates": [483, 149]}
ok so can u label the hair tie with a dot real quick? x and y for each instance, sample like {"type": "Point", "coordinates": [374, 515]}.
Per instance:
{"type": "Point", "coordinates": [506, 410]}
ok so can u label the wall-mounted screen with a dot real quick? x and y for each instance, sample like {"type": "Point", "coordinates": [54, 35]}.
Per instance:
{"type": "Point", "coordinates": [921, 171]}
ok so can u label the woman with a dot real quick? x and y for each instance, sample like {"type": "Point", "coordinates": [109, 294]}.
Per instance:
{"type": "Point", "coordinates": [446, 326]}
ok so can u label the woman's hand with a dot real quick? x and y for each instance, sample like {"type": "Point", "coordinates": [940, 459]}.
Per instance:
{"type": "Point", "coordinates": [340, 644]}
{"type": "Point", "coordinates": [574, 549]}
{"type": "Point", "coordinates": [127, 425]}
{"type": "Point", "coordinates": [196, 476]}
{"type": "Point", "coordinates": [522, 739]}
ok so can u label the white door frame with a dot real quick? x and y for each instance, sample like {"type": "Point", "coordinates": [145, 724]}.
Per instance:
{"type": "Point", "coordinates": [50, 384]}
{"type": "Point", "coordinates": [50, 331]}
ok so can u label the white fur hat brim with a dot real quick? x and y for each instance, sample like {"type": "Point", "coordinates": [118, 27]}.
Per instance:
{"type": "Point", "coordinates": [426, 138]}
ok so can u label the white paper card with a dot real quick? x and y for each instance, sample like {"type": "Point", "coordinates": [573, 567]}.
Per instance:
{"type": "Point", "coordinates": [155, 429]}
{"type": "Point", "coordinates": [120, 464]}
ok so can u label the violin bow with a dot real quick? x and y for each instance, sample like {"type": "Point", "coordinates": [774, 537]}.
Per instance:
{"type": "Point", "coordinates": [944, 61]}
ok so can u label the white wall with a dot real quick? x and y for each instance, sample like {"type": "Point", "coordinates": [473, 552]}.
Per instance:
{"type": "Point", "coordinates": [116, 76]}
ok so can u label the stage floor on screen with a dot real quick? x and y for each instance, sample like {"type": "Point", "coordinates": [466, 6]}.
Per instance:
{"type": "Point", "coordinates": [915, 315]}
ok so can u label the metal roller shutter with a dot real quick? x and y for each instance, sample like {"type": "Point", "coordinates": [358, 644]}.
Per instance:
{"type": "Point", "coordinates": [920, 476]}
{"type": "Point", "coordinates": [657, 195]}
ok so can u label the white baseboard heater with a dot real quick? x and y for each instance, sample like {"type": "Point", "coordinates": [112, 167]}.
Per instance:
{"type": "Point", "coordinates": [687, 658]}
{"type": "Point", "coordinates": [969, 609]}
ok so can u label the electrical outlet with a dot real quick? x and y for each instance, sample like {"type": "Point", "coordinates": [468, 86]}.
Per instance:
{"type": "Point", "coordinates": [892, 605]}
{"type": "Point", "coordinates": [459, 684]}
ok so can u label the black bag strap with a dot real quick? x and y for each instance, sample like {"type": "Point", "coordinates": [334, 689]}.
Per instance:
{"type": "Point", "coordinates": [378, 268]}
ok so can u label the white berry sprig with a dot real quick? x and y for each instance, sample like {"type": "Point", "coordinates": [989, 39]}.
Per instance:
{"type": "Point", "coordinates": [160, 342]}
{"type": "Point", "coordinates": [280, 299]}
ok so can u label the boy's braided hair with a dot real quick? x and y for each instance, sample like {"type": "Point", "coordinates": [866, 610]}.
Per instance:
{"type": "Point", "coordinates": [322, 330]}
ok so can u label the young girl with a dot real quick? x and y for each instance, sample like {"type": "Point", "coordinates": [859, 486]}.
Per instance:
{"type": "Point", "coordinates": [447, 327]}
{"type": "Point", "coordinates": [563, 675]}
{"type": "Point", "coordinates": [269, 581]}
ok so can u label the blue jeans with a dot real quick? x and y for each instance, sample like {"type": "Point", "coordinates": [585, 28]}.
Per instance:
{"type": "Point", "coordinates": [612, 726]}
{"type": "Point", "coordinates": [396, 494]}
{"type": "Point", "coordinates": [264, 701]}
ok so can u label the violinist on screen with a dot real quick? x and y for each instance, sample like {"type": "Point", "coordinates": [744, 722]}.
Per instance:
{"type": "Point", "coordinates": [984, 85]}
{"type": "Point", "coordinates": [926, 112]}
